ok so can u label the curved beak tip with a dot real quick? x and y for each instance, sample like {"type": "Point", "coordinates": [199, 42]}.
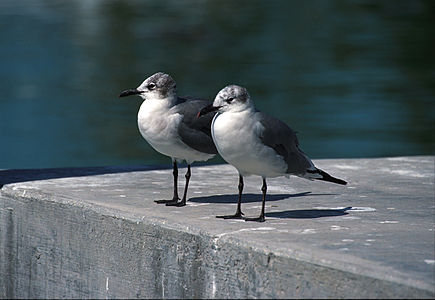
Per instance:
{"type": "Point", "coordinates": [129, 93]}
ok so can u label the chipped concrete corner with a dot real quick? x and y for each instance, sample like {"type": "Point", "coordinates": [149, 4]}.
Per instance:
{"type": "Point", "coordinates": [98, 234]}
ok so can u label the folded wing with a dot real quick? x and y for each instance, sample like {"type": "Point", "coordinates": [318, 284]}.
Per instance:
{"type": "Point", "coordinates": [195, 132]}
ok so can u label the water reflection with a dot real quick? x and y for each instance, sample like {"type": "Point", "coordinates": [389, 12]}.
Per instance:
{"type": "Point", "coordinates": [354, 78]}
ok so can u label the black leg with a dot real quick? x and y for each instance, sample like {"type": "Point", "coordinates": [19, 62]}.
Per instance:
{"type": "Point", "coordinates": [175, 197]}
{"type": "Point", "coordinates": [261, 217]}
{"type": "Point", "coordinates": [183, 201]}
{"type": "Point", "coordinates": [238, 214]}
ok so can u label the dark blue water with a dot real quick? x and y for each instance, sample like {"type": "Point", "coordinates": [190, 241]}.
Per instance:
{"type": "Point", "coordinates": [354, 78]}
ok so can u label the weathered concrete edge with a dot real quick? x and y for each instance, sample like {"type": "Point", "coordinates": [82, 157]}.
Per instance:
{"type": "Point", "coordinates": [396, 285]}
{"type": "Point", "coordinates": [297, 253]}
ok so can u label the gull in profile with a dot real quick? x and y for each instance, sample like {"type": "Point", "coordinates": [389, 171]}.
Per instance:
{"type": "Point", "coordinates": [170, 125]}
{"type": "Point", "coordinates": [257, 144]}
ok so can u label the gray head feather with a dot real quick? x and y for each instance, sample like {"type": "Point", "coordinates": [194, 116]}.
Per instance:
{"type": "Point", "coordinates": [234, 92]}
{"type": "Point", "coordinates": [160, 82]}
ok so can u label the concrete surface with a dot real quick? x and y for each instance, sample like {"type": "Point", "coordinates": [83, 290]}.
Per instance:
{"type": "Point", "coordinates": [95, 232]}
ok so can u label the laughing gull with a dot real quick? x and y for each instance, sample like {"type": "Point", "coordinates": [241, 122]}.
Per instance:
{"type": "Point", "coordinates": [257, 144]}
{"type": "Point", "coordinates": [170, 125]}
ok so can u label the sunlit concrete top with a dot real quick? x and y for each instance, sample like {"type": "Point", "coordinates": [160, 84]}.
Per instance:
{"type": "Point", "coordinates": [380, 225]}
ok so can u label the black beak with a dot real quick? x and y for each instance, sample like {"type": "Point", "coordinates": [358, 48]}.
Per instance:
{"type": "Point", "coordinates": [130, 92]}
{"type": "Point", "coordinates": [207, 109]}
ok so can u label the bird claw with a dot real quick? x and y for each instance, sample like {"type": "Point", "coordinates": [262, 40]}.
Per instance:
{"type": "Point", "coordinates": [181, 204]}
{"type": "Point", "coordinates": [174, 200]}
{"type": "Point", "coordinates": [257, 219]}
{"type": "Point", "coordinates": [235, 216]}
{"type": "Point", "coordinates": [176, 203]}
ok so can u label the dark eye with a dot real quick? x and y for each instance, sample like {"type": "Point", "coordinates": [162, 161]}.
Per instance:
{"type": "Point", "coordinates": [151, 86]}
{"type": "Point", "coordinates": [229, 100]}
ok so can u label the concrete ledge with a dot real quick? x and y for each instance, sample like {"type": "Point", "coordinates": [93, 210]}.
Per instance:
{"type": "Point", "coordinates": [96, 233]}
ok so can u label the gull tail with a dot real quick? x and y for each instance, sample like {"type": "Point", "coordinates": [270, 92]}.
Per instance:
{"type": "Point", "coordinates": [318, 174]}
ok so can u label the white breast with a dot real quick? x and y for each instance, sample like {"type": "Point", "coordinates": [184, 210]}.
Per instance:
{"type": "Point", "coordinates": [158, 123]}
{"type": "Point", "coordinates": [237, 139]}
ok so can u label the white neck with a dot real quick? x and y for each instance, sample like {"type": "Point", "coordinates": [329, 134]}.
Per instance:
{"type": "Point", "coordinates": [153, 102]}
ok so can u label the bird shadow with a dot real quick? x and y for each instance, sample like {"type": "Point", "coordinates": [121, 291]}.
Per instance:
{"type": "Point", "coordinates": [288, 214]}
{"type": "Point", "coordinates": [309, 213]}
{"type": "Point", "coordinates": [249, 197]}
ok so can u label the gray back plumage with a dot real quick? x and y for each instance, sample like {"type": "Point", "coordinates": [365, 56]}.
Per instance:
{"type": "Point", "coordinates": [195, 132]}
{"type": "Point", "coordinates": [281, 138]}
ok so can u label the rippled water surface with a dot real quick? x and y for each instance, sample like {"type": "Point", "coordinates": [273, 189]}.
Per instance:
{"type": "Point", "coordinates": [354, 78]}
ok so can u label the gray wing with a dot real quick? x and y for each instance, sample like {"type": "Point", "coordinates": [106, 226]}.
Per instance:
{"type": "Point", "coordinates": [281, 138]}
{"type": "Point", "coordinates": [195, 132]}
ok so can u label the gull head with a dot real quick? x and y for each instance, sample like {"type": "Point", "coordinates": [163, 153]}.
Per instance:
{"type": "Point", "coordinates": [157, 86]}
{"type": "Point", "coordinates": [232, 98]}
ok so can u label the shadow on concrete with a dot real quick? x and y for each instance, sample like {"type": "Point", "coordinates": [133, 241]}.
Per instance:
{"type": "Point", "coordinates": [22, 175]}
{"type": "Point", "coordinates": [309, 213]}
{"type": "Point", "coordinates": [248, 198]}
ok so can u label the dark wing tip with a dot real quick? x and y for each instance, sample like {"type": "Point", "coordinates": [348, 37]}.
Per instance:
{"type": "Point", "coordinates": [327, 177]}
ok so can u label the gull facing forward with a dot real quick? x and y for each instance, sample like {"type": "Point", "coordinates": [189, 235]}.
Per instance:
{"type": "Point", "coordinates": [257, 144]}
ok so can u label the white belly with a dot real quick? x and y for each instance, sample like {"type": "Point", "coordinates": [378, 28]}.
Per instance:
{"type": "Point", "coordinates": [236, 137]}
{"type": "Point", "coordinates": [159, 127]}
